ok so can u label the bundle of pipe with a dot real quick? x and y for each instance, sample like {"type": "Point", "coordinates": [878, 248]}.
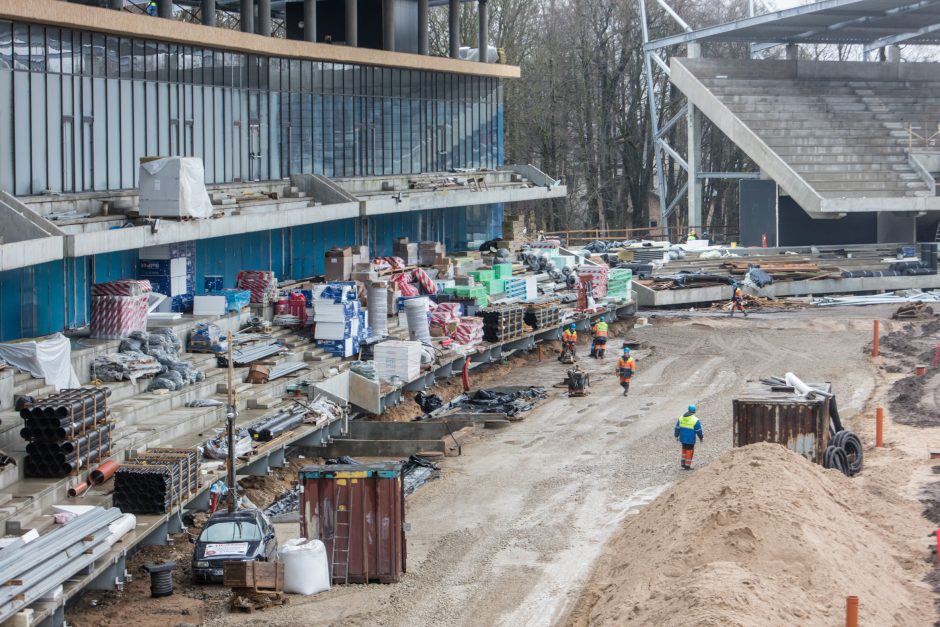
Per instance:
{"type": "Point", "coordinates": [270, 428]}
{"type": "Point", "coordinates": [378, 309]}
{"type": "Point", "coordinates": [66, 432]}
{"type": "Point", "coordinates": [416, 311]}
{"type": "Point", "coordinates": [155, 481]}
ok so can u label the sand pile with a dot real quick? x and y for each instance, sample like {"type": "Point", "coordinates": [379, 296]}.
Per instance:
{"type": "Point", "coordinates": [763, 537]}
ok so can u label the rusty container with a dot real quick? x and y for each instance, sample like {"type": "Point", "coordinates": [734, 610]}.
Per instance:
{"type": "Point", "coordinates": [373, 496]}
{"type": "Point", "coordinates": [776, 415]}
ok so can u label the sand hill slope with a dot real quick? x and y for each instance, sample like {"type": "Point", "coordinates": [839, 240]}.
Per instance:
{"type": "Point", "coordinates": [764, 537]}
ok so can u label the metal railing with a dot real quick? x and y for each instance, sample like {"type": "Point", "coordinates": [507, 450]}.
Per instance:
{"type": "Point", "coordinates": [929, 141]}
{"type": "Point", "coordinates": [579, 237]}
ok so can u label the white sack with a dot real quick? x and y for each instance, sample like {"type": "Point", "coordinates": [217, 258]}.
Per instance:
{"type": "Point", "coordinates": [306, 570]}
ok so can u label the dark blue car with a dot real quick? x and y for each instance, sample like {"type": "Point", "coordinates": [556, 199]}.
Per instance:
{"type": "Point", "coordinates": [232, 536]}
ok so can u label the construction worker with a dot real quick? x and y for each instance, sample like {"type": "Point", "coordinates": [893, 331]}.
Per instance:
{"type": "Point", "coordinates": [569, 338]}
{"type": "Point", "coordinates": [626, 366]}
{"type": "Point", "coordinates": [692, 236]}
{"type": "Point", "coordinates": [687, 428]}
{"type": "Point", "coordinates": [599, 344]}
{"type": "Point", "coordinates": [152, 8]}
{"type": "Point", "coordinates": [737, 299]}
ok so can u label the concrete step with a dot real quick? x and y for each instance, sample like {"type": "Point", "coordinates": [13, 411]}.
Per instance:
{"type": "Point", "coordinates": [853, 142]}
{"type": "Point", "coordinates": [835, 160]}
{"type": "Point", "coordinates": [891, 188]}
{"type": "Point", "coordinates": [864, 169]}
{"type": "Point", "coordinates": [837, 151]}
{"type": "Point", "coordinates": [881, 177]}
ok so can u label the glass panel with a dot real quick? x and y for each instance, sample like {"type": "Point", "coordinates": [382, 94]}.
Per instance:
{"type": "Point", "coordinates": [6, 46]}
{"type": "Point", "coordinates": [113, 57]}
{"type": "Point", "coordinates": [53, 50]}
{"type": "Point", "coordinates": [162, 65]}
{"type": "Point", "coordinates": [138, 59]}
{"type": "Point", "coordinates": [126, 61]}
{"type": "Point", "coordinates": [275, 73]}
{"type": "Point", "coordinates": [66, 43]}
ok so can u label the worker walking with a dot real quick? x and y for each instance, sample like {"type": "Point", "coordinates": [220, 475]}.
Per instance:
{"type": "Point", "coordinates": [687, 428]}
{"type": "Point", "coordinates": [599, 343]}
{"type": "Point", "coordinates": [737, 300]}
{"type": "Point", "coordinates": [569, 339]}
{"type": "Point", "coordinates": [626, 366]}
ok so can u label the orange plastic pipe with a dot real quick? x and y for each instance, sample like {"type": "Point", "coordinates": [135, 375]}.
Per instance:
{"type": "Point", "coordinates": [540, 353]}
{"type": "Point", "coordinates": [851, 611]}
{"type": "Point", "coordinates": [879, 427]}
{"type": "Point", "coordinates": [77, 489]}
{"type": "Point", "coordinates": [874, 349]}
{"type": "Point", "coordinates": [103, 472]}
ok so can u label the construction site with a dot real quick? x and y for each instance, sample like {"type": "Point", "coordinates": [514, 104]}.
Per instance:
{"type": "Point", "coordinates": [281, 342]}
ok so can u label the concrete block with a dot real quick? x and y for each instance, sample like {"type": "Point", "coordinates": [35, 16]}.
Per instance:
{"type": "Point", "coordinates": [262, 402]}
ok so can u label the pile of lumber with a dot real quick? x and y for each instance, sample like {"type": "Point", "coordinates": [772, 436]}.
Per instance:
{"type": "Point", "coordinates": [915, 310]}
{"type": "Point", "coordinates": [760, 302]}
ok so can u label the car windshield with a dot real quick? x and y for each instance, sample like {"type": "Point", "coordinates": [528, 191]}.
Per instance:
{"type": "Point", "coordinates": [231, 531]}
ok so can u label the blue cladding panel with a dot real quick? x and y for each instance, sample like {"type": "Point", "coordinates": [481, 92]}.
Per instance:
{"type": "Point", "coordinates": [115, 266]}
{"type": "Point", "coordinates": [32, 301]}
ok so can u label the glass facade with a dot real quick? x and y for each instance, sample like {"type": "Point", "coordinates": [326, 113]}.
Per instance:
{"type": "Point", "coordinates": [79, 108]}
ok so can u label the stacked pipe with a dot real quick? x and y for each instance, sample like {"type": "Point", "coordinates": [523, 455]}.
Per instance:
{"type": "Point", "coordinates": [66, 432]}
{"type": "Point", "coordinates": [502, 322]}
{"type": "Point", "coordinates": [156, 481]}
{"type": "Point", "coordinates": [270, 428]}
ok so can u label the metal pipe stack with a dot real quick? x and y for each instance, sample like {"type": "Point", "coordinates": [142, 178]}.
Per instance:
{"type": "Point", "coordinates": [156, 481]}
{"type": "Point", "coordinates": [270, 428]}
{"type": "Point", "coordinates": [66, 432]}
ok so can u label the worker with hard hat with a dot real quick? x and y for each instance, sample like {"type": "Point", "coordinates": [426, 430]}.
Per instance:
{"type": "Point", "coordinates": [688, 427]}
{"type": "Point", "coordinates": [569, 338]}
{"type": "Point", "coordinates": [599, 343]}
{"type": "Point", "coordinates": [626, 366]}
{"type": "Point", "coordinates": [737, 299]}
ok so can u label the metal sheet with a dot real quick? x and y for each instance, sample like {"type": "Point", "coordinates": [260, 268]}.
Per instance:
{"type": "Point", "coordinates": [801, 426]}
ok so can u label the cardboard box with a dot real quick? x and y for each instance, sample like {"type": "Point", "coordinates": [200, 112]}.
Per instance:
{"type": "Point", "coordinates": [258, 373]}
{"type": "Point", "coordinates": [209, 305]}
{"type": "Point", "coordinates": [406, 250]}
{"type": "Point", "coordinates": [429, 252]}
{"type": "Point", "coordinates": [338, 264]}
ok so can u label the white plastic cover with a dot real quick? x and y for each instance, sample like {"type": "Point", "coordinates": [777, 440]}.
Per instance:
{"type": "Point", "coordinates": [194, 199]}
{"type": "Point", "coordinates": [306, 570]}
{"type": "Point", "coordinates": [50, 359]}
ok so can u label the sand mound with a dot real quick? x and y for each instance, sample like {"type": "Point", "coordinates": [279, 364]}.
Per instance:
{"type": "Point", "coordinates": [762, 537]}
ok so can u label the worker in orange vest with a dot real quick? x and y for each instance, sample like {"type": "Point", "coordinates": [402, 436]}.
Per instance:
{"type": "Point", "coordinates": [569, 339]}
{"type": "Point", "coordinates": [737, 300]}
{"type": "Point", "coordinates": [626, 366]}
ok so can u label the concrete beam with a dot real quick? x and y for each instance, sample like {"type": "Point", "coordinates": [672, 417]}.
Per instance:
{"type": "Point", "coordinates": [380, 448]}
{"type": "Point", "coordinates": [460, 198]}
{"type": "Point", "coordinates": [694, 130]}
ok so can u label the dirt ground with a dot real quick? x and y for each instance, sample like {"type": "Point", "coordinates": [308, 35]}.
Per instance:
{"type": "Point", "coordinates": [509, 534]}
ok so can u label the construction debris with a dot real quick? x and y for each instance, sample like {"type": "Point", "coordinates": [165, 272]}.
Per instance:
{"type": "Point", "coordinates": [916, 309]}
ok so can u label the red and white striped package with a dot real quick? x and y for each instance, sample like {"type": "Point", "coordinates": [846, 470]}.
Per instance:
{"type": "Point", "coordinates": [116, 317]}
{"type": "Point", "coordinates": [406, 288]}
{"type": "Point", "coordinates": [388, 263]}
{"type": "Point", "coordinates": [598, 277]}
{"type": "Point", "coordinates": [445, 313]}
{"type": "Point", "coordinates": [424, 281]}
{"type": "Point", "coordinates": [261, 283]}
{"type": "Point", "coordinates": [469, 331]}
{"type": "Point", "coordinates": [124, 287]}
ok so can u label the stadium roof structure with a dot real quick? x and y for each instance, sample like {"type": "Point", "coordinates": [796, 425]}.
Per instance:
{"type": "Point", "coordinates": [871, 23]}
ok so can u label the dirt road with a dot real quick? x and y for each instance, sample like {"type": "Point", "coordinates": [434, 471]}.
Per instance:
{"type": "Point", "coordinates": [509, 534]}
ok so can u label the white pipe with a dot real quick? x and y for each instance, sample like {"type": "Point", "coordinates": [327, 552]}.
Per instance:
{"type": "Point", "coordinates": [121, 527]}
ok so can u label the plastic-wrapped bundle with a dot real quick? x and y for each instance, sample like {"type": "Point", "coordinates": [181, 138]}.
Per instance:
{"type": "Point", "coordinates": [129, 365]}
{"type": "Point", "coordinates": [378, 309]}
{"type": "Point", "coordinates": [416, 311]}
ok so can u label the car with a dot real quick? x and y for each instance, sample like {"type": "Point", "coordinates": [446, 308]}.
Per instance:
{"type": "Point", "coordinates": [232, 536]}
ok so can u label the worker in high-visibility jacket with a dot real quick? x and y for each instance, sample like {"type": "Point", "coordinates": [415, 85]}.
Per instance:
{"type": "Point", "coordinates": [599, 343]}
{"type": "Point", "coordinates": [692, 236]}
{"type": "Point", "coordinates": [152, 8]}
{"type": "Point", "coordinates": [569, 338]}
{"type": "Point", "coordinates": [737, 300]}
{"type": "Point", "coordinates": [688, 427]}
{"type": "Point", "coordinates": [626, 367]}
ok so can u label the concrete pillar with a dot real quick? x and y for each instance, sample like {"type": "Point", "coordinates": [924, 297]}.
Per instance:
{"type": "Point", "coordinates": [693, 50]}
{"type": "Point", "coordinates": [247, 16]}
{"type": "Point", "coordinates": [793, 52]}
{"type": "Point", "coordinates": [695, 165]}
{"type": "Point", "coordinates": [117, 5]}
{"type": "Point", "coordinates": [893, 54]}
{"type": "Point", "coordinates": [264, 18]}
{"type": "Point", "coordinates": [352, 23]}
{"type": "Point", "coordinates": [208, 12]}
{"type": "Point", "coordinates": [422, 26]}
{"type": "Point", "coordinates": [484, 37]}
{"type": "Point", "coordinates": [165, 9]}
{"type": "Point", "coordinates": [453, 17]}
{"type": "Point", "coordinates": [310, 20]}
{"type": "Point", "coordinates": [388, 24]}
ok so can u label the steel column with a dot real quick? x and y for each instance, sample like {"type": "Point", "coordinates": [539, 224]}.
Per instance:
{"type": "Point", "coordinates": [352, 23]}
{"type": "Point", "coordinates": [264, 18]}
{"type": "Point", "coordinates": [165, 9]}
{"type": "Point", "coordinates": [388, 25]}
{"type": "Point", "coordinates": [484, 36]}
{"type": "Point", "coordinates": [208, 12]}
{"type": "Point", "coordinates": [422, 26]}
{"type": "Point", "coordinates": [654, 113]}
{"type": "Point", "coordinates": [453, 18]}
{"type": "Point", "coordinates": [247, 16]}
{"type": "Point", "coordinates": [310, 20]}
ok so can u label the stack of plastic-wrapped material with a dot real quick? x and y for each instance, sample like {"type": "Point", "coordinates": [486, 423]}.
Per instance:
{"type": "Point", "coordinates": [118, 308]}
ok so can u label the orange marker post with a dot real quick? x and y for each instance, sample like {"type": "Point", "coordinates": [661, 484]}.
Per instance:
{"type": "Point", "coordinates": [874, 348]}
{"type": "Point", "coordinates": [539, 347]}
{"type": "Point", "coordinates": [938, 545]}
{"type": "Point", "coordinates": [879, 427]}
{"type": "Point", "coordinates": [851, 611]}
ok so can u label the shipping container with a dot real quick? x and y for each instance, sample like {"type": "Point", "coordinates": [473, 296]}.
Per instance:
{"type": "Point", "coordinates": [780, 415]}
{"type": "Point", "coordinates": [373, 496]}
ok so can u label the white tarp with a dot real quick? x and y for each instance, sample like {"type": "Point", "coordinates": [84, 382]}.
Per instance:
{"type": "Point", "coordinates": [194, 200]}
{"type": "Point", "coordinates": [49, 359]}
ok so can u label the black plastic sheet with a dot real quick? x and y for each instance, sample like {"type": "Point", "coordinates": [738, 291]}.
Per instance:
{"type": "Point", "coordinates": [509, 402]}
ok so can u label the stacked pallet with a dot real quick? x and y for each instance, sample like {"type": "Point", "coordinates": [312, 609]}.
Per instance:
{"type": "Point", "coordinates": [502, 322]}
{"type": "Point", "coordinates": [543, 314]}
{"type": "Point", "coordinates": [618, 283]}
{"type": "Point", "coordinates": [156, 481]}
{"type": "Point", "coordinates": [66, 432]}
